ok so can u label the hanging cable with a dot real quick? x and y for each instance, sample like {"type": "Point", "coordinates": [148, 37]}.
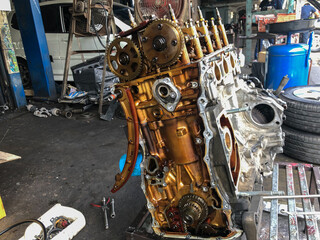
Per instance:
{"type": "Point", "coordinates": [106, 25]}
{"type": "Point", "coordinates": [27, 221]}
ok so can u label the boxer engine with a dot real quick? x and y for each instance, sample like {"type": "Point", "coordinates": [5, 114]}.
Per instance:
{"type": "Point", "coordinates": [206, 134]}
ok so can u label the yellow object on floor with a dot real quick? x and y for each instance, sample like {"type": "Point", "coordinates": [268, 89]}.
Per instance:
{"type": "Point", "coordinates": [2, 211]}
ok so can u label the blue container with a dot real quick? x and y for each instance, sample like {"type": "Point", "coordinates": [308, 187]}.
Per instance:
{"type": "Point", "coordinates": [291, 60]}
{"type": "Point", "coordinates": [137, 169]}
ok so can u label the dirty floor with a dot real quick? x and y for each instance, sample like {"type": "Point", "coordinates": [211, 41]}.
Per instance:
{"type": "Point", "coordinates": [67, 161]}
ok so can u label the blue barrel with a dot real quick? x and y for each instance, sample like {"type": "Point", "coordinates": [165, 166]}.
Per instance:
{"type": "Point", "coordinates": [291, 60]}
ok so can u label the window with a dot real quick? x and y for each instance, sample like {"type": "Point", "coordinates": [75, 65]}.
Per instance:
{"type": "Point", "coordinates": [122, 13]}
{"type": "Point", "coordinates": [66, 16]}
{"type": "Point", "coordinates": [51, 18]}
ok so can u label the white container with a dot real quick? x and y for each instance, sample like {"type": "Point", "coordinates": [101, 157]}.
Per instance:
{"type": "Point", "coordinates": [78, 222]}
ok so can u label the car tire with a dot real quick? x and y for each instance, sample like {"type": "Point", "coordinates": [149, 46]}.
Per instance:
{"type": "Point", "coordinates": [24, 73]}
{"type": "Point", "coordinates": [301, 145]}
{"type": "Point", "coordinates": [303, 112]}
{"type": "Point", "coordinates": [316, 41]}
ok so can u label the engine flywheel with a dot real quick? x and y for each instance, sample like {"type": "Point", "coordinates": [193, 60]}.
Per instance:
{"type": "Point", "coordinates": [162, 42]}
{"type": "Point", "coordinates": [124, 59]}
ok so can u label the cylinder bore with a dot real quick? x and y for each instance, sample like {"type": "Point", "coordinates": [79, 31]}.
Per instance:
{"type": "Point", "coordinates": [263, 114]}
{"type": "Point", "coordinates": [217, 72]}
{"type": "Point", "coordinates": [232, 61]}
{"type": "Point", "coordinates": [225, 66]}
{"type": "Point", "coordinates": [163, 91]}
{"type": "Point", "coordinates": [227, 140]}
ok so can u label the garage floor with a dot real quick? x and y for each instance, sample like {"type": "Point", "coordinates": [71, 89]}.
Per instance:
{"type": "Point", "coordinates": [72, 162]}
{"type": "Point", "coordinates": [67, 161]}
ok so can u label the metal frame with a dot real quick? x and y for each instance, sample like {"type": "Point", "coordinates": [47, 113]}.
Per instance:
{"type": "Point", "coordinates": [70, 52]}
{"type": "Point", "coordinates": [251, 219]}
{"type": "Point", "coordinates": [312, 230]}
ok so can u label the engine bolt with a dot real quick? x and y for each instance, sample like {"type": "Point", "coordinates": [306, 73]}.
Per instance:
{"type": "Point", "coordinates": [173, 95]}
{"type": "Point", "coordinates": [205, 189]}
{"type": "Point", "coordinates": [194, 85]}
{"type": "Point", "coordinates": [198, 141]}
{"type": "Point", "coordinates": [155, 59]}
{"type": "Point", "coordinates": [159, 174]}
{"type": "Point", "coordinates": [174, 42]}
{"type": "Point", "coordinates": [210, 76]}
{"type": "Point", "coordinates": [144, 39]}
{"type": "Point", "coordinates": [160, 26]}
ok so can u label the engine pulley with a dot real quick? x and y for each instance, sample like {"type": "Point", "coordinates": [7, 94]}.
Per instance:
{"type": "Point", "coordinates": [162, 42]}
{"type": "Point", "coordinates": [124, 59]}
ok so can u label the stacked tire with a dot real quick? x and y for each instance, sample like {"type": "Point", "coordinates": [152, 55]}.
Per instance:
{"type": "Point", "coordinates": [302, 124]}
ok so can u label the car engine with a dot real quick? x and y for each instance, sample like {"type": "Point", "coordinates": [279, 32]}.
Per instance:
{"type": "Point", "coordinates": [207, 134]}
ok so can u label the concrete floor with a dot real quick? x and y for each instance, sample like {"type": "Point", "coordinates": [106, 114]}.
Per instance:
{"type": "Point", "coordinates": [67, 161]}
{"type": "Point", "coordinates": [72, 162]}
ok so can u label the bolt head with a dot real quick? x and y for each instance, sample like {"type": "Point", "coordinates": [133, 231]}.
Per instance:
{"type": "Point", "coordinates": [173, 94]}
{"type": "Point", "coordinates": [205, 189]}
{"type": "Point", "coordinates": [160, 26]}
{"type": "Point", "coordinates": [174, 42]}
{"type": "Point", "coordinates": [198, 141]}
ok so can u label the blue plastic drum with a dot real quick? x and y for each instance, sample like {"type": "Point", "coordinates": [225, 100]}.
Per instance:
{"type": "Point", "coordinates": [291, 60]}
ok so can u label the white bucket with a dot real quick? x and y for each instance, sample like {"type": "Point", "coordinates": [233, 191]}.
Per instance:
{"type": "Point", "coordinates": [77, 218]}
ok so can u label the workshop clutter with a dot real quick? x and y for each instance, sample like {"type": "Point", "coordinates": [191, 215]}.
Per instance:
{"type": "Point", "coordinates": [263, 20]}
{"type": "Point", "coordinates": [43, 112]}
{"type": "Point", "coordinates": [105, 206]}
{"type": "Point", "coordinates": [66, 112]}
{"type": "Point", "coordinates": [61, 223]}
{"type": "Point", "coordinates": [286, 17]}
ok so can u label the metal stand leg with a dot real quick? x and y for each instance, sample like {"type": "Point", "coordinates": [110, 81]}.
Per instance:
{"type": "Point", "coordinates": [248, 53]}
{"type": "Point", "coordinates": [103, 81]}
{"type": "Point", "coordinates": [67, 62]}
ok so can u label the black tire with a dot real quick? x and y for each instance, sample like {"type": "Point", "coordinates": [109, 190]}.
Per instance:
{"type": "Point", "coordinates": [301, 145]}
{"type": "Point", "coordinates": [302, 113]}
{"type": "Point", "coordinates": [316, 41]}
{"type": "Point", "coordinates": [24, 73]}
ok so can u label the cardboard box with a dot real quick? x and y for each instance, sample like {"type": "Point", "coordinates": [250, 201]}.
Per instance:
{"type": "Point", "coordinates": [2, 211]}
{"type": "Point", "coordinates": [262, 56]}
{"type": "Point", "coordinates": [286, 17]}
{"type": "Point", "coordinates": [263, 20]}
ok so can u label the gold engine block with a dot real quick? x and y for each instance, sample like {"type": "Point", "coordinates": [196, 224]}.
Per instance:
{"type": "Point", "coordinates": [182, 98]}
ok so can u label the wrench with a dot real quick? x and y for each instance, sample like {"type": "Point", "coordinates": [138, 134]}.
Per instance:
{"type": "Point", "coordinates": [113, 213]}
{"type": "Point", "coordinates": [105, 213]}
